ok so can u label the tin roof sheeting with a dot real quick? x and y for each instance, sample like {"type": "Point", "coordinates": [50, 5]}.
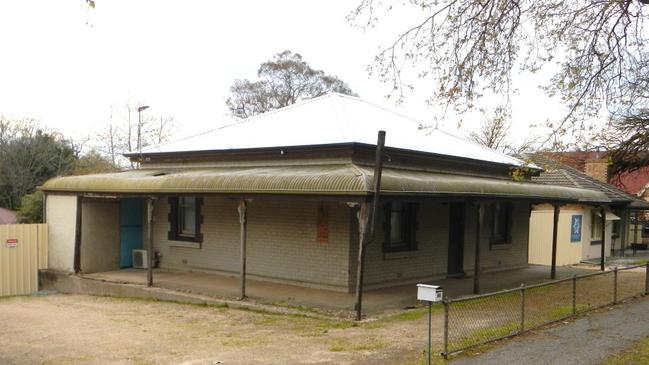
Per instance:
{"type": "Point", "coordinates": [341, 179]}
{"type": "Point", "coordinates": [332, 119]}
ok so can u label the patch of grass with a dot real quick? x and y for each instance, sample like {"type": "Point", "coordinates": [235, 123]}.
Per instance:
{"type": "Point", "coordinates": [343, 345]}
{"type": "Point", "coordinates": [481, 335]}
{"type": "Point", "coordinates": [244, 342]}
{"type": "Point", "coordinates": [411, 314]}
{"type": "Point", "coordinates": [156, 300]}
{"type": "Point", "coordinates": [638, 353]}
{"type": "Point", "coordinates": [421, 358]}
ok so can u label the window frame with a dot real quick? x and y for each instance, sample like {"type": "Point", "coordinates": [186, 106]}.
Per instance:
{"type": "Point", "coordinates": [595, 228]}
{"type": "Point", "coordinates": [408, 223]}
{"type": "Point", "coordinates": [174, 233]}
{"type": "Point", "coordinates": [506, 237]}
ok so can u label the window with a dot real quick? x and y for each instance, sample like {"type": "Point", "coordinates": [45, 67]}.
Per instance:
{"type": "Point", "coordinates": [501, 214]}
{"type": "Point", "coordinates": [185, 219]}
{"type": "Point", "coordinates": [616, 229]}
{"type": "Point", "coordinates": [595, 228]}
{"type": "Point", "coordinates": [400, 227]}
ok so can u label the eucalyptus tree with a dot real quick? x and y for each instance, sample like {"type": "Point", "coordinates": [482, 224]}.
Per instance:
{"type": "Point", "coordinates": [282, 81]}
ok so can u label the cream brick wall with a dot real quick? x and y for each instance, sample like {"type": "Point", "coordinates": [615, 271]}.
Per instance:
{"type": "Point", "coordinates": [282, 242]}
{"type": "Point", "coordinates": [99, 235]}
{"type": "Point", "coordinates": [499, 257]}
{"type": "Point", "coordinates": [431, 260]}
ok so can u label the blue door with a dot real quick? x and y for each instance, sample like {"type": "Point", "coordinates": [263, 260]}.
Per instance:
{"type": "Point", "coordinates": [130, 229]}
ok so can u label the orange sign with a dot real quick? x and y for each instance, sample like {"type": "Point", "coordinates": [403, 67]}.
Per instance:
{"type": "Point", "coordinates": [323, 225]}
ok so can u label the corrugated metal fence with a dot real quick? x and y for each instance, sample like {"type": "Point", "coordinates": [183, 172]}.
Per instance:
{"type": "Point", "coordinates": [23, 251]}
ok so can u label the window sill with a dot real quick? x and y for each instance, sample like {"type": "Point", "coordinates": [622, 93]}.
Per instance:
{"type": "Point", "coordinates": [185, 244]}
{"type": "Point", "coordinates": [400, 255]}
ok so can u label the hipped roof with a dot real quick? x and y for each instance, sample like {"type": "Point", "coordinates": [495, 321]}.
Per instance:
{"type": "Point", "coordinates": [557, 173]}
{"type": "Point", "coordinates": [332, 119]}
{"type": "Point", "coordinates": [337, 179]}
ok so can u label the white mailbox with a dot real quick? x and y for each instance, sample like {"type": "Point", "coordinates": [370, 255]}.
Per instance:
{"type": "Point", "coordinates": [429, 293]}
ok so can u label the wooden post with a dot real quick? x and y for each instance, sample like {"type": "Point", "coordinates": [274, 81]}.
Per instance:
{"type": "Point", "coordinates": [77, 236]}
{"type": "Point", "coordinates": [243, 210]}
{"type": "Point", "coordinates": [476, 265]}
{"type": "Point", "coordinates": [602, 260]}
{"type": "Point", "coordinates": [635, 233]}
{"type": "Point", "coordinates": [149, 242]}
{"type": "Point", "coordinates": [624, 231]}
{"type": "Point", "coordinates": [366, 224]}
{"type": "Point", "coordinates": [555, 229]}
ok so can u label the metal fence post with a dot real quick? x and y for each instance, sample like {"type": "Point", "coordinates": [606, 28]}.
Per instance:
{"type": "Point", "coordinates": [447, 302]}
{"type": "Point", "coordinates": [574, 294]}
{"type": "Point", "coordinates": [646, 280]}
{"type": "Point", "coordinates": [522, 308]}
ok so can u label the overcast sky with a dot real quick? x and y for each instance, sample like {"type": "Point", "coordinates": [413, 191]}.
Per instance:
{"type": "Point", "coordinates": [65, 64]}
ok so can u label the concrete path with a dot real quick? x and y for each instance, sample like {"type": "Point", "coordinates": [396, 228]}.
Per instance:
{"type": "Point", "coordinates": [588, 340]}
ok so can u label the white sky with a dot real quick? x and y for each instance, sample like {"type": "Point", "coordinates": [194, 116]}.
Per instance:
{"type": "Point", "coordinates": [66, 65]}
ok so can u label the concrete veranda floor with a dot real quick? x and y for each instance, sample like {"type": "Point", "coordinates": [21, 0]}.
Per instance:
{"type": "Point", "coordinates": [374, 301]}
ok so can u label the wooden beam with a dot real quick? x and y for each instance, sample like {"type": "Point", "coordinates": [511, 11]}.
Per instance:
{"type": "Point", "coordinates": [624, 231]}
{"type": "Point", "coordinates": [635, 232]}
{"type": "Point", "coordinates": [77, 236]}
{"type": "Point", "coordinates": [555, 232]}
{"type": "Point", "coordinates": [476, 264]}
{"type": "Point", "coordinates": [243, 211]}
{"type": "Point", "coordinates": [149, 241]}
{"type": "Point", "coordinates": [602, 260]}
{"type": "Point", "coordinates": [367, 224]}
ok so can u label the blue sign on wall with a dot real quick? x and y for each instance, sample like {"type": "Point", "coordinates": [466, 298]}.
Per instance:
{"type": "Point", "coordinates": [575, 228]}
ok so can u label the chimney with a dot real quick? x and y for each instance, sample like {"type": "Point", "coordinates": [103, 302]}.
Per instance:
{"type": "Point", "coordinates": [597, 169]}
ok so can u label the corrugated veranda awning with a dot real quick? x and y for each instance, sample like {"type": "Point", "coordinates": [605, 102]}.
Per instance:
{"type": "Point", "coordinates": [340, 179]}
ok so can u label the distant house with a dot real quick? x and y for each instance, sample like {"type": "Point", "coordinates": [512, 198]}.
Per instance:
{"type": "Point", "coordinates": [284, 197]}
{"type": "Point", "coordinates": [8, 216]}
{"type": "Point", "coordinates": [580, 235]}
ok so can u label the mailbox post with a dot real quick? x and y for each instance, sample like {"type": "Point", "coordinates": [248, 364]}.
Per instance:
{"type": "Point", "coordinates": [431, 294]}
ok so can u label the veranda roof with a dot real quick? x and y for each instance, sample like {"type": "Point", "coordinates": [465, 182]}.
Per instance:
{"type": "Point", "coordinates": [336, 179]}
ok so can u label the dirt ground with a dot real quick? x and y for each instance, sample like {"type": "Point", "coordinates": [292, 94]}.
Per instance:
{"type": "Point", "coordinates": [76, 329]}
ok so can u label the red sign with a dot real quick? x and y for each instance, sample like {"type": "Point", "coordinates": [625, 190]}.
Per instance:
{"type": "Point", "coordinates": [12, 242]}
{"type": "Point", "coordinates": [322, 235]}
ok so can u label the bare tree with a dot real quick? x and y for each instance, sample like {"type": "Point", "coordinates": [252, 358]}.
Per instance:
{"type": "Point", "coordinates": [129, 132]}
{"type": "Point", "coordinates": [283, 81]}
{"type": "Point", "coordinates": [471, 48]}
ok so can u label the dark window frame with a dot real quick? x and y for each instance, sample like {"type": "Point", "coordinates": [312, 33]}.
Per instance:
{"type": "Point", "coordinates": [409, 226]}
{"type": "Point", "coordinates": [174, 234]}
{"type": "Point", "coordinates": [507, 209]}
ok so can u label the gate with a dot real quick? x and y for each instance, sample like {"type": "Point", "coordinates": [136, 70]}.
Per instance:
{"type": "Point", "coordinates": [23, 251]}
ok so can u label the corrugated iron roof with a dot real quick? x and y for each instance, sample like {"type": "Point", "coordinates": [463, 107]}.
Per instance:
{"type": "Point", "coordinates": [340, 179]}
{"type": "Point", "coordinates": [332, 119]}
{"type": "Point", "coordinates": [557, 173]}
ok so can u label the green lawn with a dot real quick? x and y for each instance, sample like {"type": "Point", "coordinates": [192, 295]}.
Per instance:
{"type": "Point", "coordinates": [638, 353]}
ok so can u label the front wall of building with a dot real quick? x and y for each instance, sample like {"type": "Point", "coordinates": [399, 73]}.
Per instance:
{"type": "Point", "coordinates": [430, 260]}
{"type": "Point", "coordinates": [498, 257]}
{"type": "Point", "coordinates": [282, 244]}
{"type": "Point", "coordinates": [541, 225]}
{"type": "Point", "coordinates": [99, 235]}
{"type": "Point", "coordinates": [61, 212]}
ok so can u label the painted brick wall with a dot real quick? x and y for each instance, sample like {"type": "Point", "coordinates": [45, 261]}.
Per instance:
{"type": "Point", "coordinates": [430, 260]}
{"type": "Point", "coordinates": [282, 242]}
{"type": "Point", "coordinates": [498, 257]}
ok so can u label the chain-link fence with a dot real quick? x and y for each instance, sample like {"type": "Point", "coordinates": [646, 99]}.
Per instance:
{"type": "Point", "coordinates": [476, 320]}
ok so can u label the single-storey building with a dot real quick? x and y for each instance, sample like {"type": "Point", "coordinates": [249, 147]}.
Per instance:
{"type": "Point", "coordinates": [286, 197]}
{"type": "Point", "coordinates": [581, 229]}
